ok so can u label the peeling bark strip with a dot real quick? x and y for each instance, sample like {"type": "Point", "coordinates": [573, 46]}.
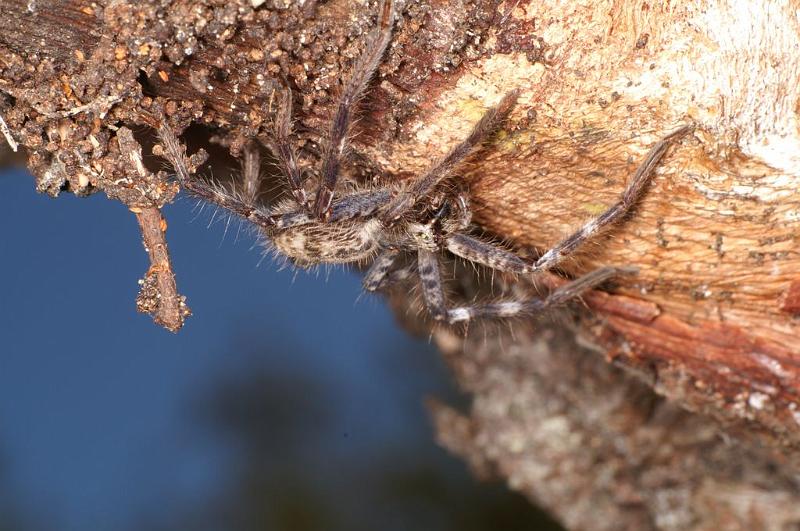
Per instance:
{"type": "Point", "coordinates": [712, 316]}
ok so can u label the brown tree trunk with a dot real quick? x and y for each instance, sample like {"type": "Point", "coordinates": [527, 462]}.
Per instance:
{"type": "Point", "coordinates": [711, 321]}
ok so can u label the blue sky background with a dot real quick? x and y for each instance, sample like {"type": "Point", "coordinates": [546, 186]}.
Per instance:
{"type": "Point", "coordinates": [109, 422]}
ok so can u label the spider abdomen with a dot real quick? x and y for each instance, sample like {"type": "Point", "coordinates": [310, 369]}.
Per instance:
{"type": "Point", "coordinates": [342, 242]}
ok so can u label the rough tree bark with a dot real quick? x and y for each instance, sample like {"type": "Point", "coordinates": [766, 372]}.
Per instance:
{"type": "Point", "coordinates": [711, 321]}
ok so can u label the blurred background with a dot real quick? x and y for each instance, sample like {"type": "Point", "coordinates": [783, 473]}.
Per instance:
{"type": "Point", "coordinates": [290, 401]}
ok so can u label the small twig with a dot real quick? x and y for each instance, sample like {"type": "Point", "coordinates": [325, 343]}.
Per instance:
{"type": "Point", "coordinates": [159, 293]}
{"type": "Point", "coordinates": [7, 133]}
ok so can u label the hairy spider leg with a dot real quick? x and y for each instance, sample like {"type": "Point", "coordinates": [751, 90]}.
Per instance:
{"type": "Point", "coordinates": [401, 274]}
{"type": "Point", "coordinates": [633, 191]}
{"type": "Point", "coordinates": [354, 205]}
{"type": "Point", "coordinates": [559, 296]}
{"type": "Point", "coordinates": [251, 173]}
{"type": "Point", "coordinates": [378, 272]}
{"type": "Point", "coordinates": [337, 138]}
{"type": "Point", "coordinates": [357, 204]}
{"type": "Point", "coordinates": [281, 147]}
{"type": "Point", "coordinates": [428, 181]}
{"type": "Point", "coordinates": [175, 154]}
{"type": "Point", "coordinates": [495, 257]}
{"type": "Point", "coordinates": [431, 280]}
{"type": "Point", "coordinates": [484, 253]}
{"type": "Point", "coordinates": [360, 204]}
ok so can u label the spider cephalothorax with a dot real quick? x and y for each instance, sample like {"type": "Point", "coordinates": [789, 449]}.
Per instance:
{"type": "Point", "coordinates": [422, 219]}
